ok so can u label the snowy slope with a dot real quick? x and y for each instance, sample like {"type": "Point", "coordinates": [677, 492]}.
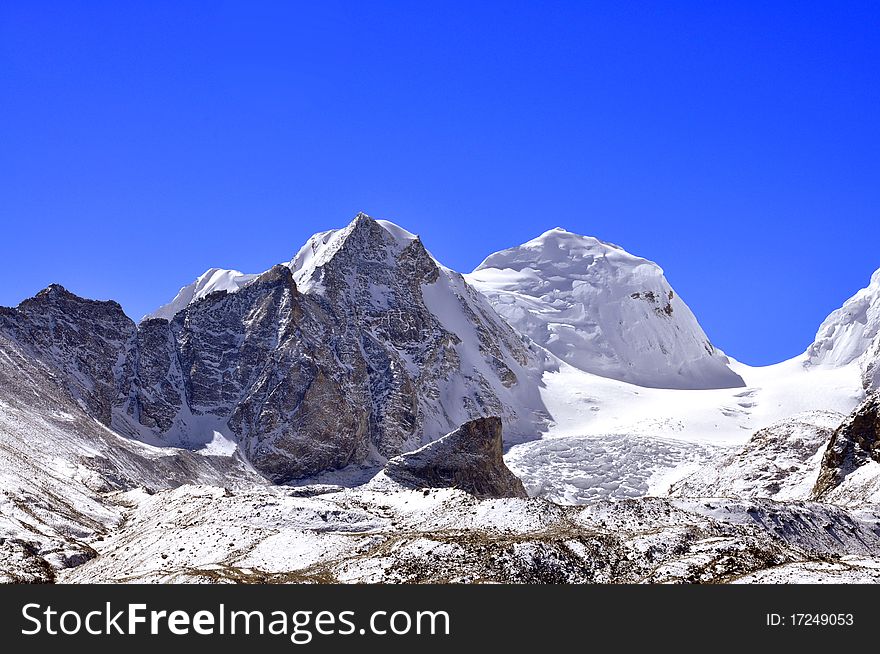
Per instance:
{"type": "Point", "coordinates": [852, 334]}
{"type": "Point", "coordinates": [611, 439]}
{"type": "Point", "coordinates": [211, 281]}
{"type": "Point", "coordinates": [779, 462]}
{"type": "Point", "coordinates": [57, 464]}
{"type": "Point", "coordinates": [602, 310]}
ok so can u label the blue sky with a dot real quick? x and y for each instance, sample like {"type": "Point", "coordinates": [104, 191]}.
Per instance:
{"type": "Point", "coordinates": [736, 144]}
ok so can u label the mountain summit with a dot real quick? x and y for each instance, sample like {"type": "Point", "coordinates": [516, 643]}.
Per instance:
{"type": "Point", "coordinates": [603, 310]}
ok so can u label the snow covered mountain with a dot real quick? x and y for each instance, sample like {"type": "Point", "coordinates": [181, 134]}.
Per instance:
{"type": "Point", "coordinates": [602, 310]}
{"type": "Point", "coordinates": [384, 287]}
{"type": "Point", "coordinates": [383, 352]}
{"type": "Point", "coordinates": [852, 334]}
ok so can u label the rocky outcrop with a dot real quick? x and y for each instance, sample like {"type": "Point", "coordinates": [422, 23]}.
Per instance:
{"type": "Point", "coordinates": [854, 448]}
{"type": "Point", "coordinates": [470, 459]}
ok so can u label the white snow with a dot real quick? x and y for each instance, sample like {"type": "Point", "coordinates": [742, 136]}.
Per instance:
{"type": "Point", "coordinates": [852, 334]}
{"type": "Point", "coordinates": [581, 470]}
{"type": "Point", "coordinates": [212, 280]}
{"type": "Point", "coordinates": [609, 438]}
{"type": "Point", "coordinates": [602, 310]}
{"type": "Point", "coordinates": [584, 404]}
{"type": "Point", "coordinates": [220, 445]}
{"type": "Point", "coordinates": [847, 333]}
{"type": "Point", "coordinates": [401, 235]}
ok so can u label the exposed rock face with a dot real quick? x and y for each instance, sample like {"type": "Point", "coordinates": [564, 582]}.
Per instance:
{"type": "Point", "coordinates": [383, 351]}
{"type": "Point", "coordinates": [470, 459]}
{"type": "Point", "coordinates": [264, 360]}
{"type": "Point", "coordinates": [86, 340]}
{"type": "Point", "coordinates": [436, 353]}
{"type": "Point", "coordinates": [854, 448]}
{"type": "Point", "coordinates": [156, 393]}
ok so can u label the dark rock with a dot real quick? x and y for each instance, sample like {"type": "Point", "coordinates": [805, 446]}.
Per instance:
{"type": "Point", "coordinates": [470, 459]}
{"type": "Point", "coordinates": [83, 339]}
{"type": "Point", "coordinates": [855, 443]}
{"type": "Point", "coordinates": [155, 398]}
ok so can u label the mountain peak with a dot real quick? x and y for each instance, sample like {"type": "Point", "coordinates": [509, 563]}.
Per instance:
{"type": "Point", "coordinates": [603, 310]}
{"type": "Point", "coordinates": [558, 248]}
{"type": "Point", "coordinates": [56, 293]}
{"type": "Point", "coordinates": [377, 229]}
{"type": "Point", "coordinates": [365, 238]}
{"type": "Point", "coordinates": [367, 235]}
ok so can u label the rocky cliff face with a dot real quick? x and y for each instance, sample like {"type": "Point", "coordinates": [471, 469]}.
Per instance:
{"type": "Point", "coordinates": [383, 351]}
{"type": "Point", "coordinates": [850, 468]}
{"type": "Point", "coordinates": [436, 353]}
{"type": "Point", "coordinates": [84, 340]}
{"type": "Point", "coordinates": [469, 459]}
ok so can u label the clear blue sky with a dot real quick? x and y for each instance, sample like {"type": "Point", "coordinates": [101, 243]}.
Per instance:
{"type": "Point", "coordinates": [734, 143]}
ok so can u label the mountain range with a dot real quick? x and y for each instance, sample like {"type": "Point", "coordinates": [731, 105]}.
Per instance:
{"type": "Point", "coordinates": [306, 409]}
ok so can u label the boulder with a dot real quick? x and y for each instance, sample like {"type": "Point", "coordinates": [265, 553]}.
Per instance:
{"type": "Point", "coordinates": [470, 459]}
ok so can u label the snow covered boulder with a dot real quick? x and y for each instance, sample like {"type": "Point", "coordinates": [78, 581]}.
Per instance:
{"type": "Point", "coordinates": [470, 459]}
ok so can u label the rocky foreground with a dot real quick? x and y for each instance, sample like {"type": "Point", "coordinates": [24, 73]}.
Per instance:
{"type": "Point", "coordinates": [206, 534]}
{"type": "Point", "coordinates": [414, 522]}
